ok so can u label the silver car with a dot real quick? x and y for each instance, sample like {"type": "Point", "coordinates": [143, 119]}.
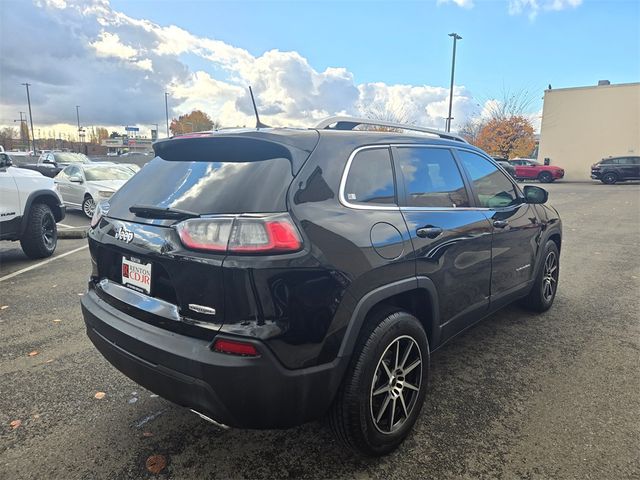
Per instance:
{"type": "Point", "coordinates": [83, 185]}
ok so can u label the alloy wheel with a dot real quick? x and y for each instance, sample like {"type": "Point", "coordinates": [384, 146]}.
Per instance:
{"type": "Point", "coordinates": [48, 231]}
{"type": "Point", "coordinates": [550, 276]}
{"type": "Point", "coordinates": [88, 207]}
{"type": "Point", "coordinates": [396, 384]}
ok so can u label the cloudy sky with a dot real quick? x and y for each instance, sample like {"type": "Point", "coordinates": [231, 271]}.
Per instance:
{"type": "Point", "coordinates": [305, 60]}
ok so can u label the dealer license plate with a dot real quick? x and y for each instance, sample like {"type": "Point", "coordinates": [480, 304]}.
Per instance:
{"type": "Point", "coordinates": [136, 275]}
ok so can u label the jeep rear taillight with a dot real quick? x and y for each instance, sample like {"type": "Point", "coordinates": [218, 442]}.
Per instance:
{"type": "Point", "coordinates": [250, 234]}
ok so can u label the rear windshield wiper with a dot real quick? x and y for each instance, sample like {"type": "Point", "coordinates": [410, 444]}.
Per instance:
{"type": "Point", "coordinates": [149, 211]}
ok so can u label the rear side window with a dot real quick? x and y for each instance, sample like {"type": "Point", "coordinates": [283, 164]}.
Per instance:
{"type": "Point", "coordinates": [494, 189]}
{"type": "Point", "coordinates": [370, 178]}
{"type": "Point", "coordinates": [431, 177]}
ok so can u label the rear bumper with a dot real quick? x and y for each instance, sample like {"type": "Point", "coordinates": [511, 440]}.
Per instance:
{"type": "Point", "coordinates": [557, 174]}
{"type": "Point", "coordinates": [596, 174]}
{"type": "Point", "coordinates": [244, 392]}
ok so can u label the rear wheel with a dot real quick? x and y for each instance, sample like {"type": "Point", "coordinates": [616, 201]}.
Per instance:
{"type": "Point", "coordinates": [609, 178]}
{"type": "Point", "coordinates": [384, 388]}
{"type": "Point", "coordinates": [545, 177]}
{"type": "Point", "coordinates": [40, 237]}
{"type": "Point", "coordinates": [88, 206]}
{"type": "Point", "coordinates": [545, 286]}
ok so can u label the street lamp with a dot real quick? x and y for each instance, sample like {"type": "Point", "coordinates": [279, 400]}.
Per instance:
{"type": "Point", "coordinates": [456, 37]}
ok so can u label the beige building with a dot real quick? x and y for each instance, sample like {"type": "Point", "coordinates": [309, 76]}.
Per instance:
{"type": "Point", "coordinates": [582, 125]}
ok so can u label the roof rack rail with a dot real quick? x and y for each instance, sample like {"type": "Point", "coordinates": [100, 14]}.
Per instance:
{"type": "Point", "coordinates": [349, 123]}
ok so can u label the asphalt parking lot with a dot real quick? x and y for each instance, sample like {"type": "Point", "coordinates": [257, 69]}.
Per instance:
{"type": "Point", "coordinates": [517, 396]}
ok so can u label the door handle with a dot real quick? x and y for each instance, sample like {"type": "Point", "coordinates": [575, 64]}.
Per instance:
{"type": "Point", "coordinates": [500, 223]}
{"type": "Point", "coordinates": [428, 232]}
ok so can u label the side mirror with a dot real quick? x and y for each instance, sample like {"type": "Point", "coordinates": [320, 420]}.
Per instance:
{"type": "Point", "coordinates": [77, 179]}
{"type": "Point", "coordinates": [533, 194]}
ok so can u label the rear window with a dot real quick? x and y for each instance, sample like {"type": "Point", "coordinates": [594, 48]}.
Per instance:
{"type": "Point", "coordinates": [207, 187]}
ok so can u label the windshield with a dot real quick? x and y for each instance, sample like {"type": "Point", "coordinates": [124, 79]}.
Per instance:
{"type": "Point", "coordinates": [107, 173]}
{"type": "Point", "coordinates": [68, 157]}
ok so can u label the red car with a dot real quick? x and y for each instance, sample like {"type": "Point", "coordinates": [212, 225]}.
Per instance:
{"type": "Point", "coordinates": [531, 170]}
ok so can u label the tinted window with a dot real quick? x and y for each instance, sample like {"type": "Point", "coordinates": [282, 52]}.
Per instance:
{"type": "Point", "coordinates": [207, 187]}
{"type": "Point", "coordinates": [634, 160]}
{"type": "Point", "coordinates": [431, 177]}
{"type": "Point", "coordinates": [494, 189]}
{"type": "Point", "coordinates": [370, 178]}
{"type": "Point", "coordinates": [606, 162]}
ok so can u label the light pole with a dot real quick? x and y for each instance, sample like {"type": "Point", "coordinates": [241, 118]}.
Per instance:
{"type": "Point", "coordinates": [33, 138]}
{"type": "Point", "coordinates": [456, 37]}
{"type": "Point", "coordinates": [166, 110]}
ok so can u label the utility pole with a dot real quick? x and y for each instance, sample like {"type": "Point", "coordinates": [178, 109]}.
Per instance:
{"type": "Point", "coordinates": [23, 124]}
{"type": "Point", "coordinates": [33, 138]}
{"type": "Point", "coordinates": [78, 118]}
{"type": "Point", "coordinates": [456, 37]}
{"type": "Point", "coordinates": [166, 110]}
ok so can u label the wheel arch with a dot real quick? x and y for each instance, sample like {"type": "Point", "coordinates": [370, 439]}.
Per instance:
{"type": "Point", "coordinates": [416, 295]}
{"type": "Point", "coordinates": [47, 197]}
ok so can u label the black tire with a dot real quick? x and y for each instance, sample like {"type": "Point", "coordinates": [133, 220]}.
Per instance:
{"type": "Point", "coordinates": [40, 237]}
{"type": "Point", "coordinates": [540, 298]}
{"type": "Point", "coordinates": [357, 403]}
{"type": "Point", "coordinates": [88, 206]}
{"type": "Point", "coordinates": [545, 177]}
{"type": "Point", "coordinates": [610, 178]}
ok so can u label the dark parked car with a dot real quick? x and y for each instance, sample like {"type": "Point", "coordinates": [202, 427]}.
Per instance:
{"type": "Point", "coordinates": [51, 163]}
{"type": "Point", "coordinates": [616, 169]}
{"type": "Point", "coordinates": [531, 170]}
{"type": "Point", "coordinates": [265, 278]}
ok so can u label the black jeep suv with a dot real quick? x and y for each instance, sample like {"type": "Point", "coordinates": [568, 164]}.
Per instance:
{"type": "Point", "coordinates": [264, 278]}
{"type": "Point", "coordinates": [616, 169]}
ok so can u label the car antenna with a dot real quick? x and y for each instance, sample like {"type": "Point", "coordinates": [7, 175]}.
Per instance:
{"type": "Point", "coordinates": [259, 124]}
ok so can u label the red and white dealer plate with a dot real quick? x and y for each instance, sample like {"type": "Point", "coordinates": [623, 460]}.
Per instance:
{"type": "Point", "coordinates": [136, 275]}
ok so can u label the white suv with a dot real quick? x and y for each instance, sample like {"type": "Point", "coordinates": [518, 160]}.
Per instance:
{"type": "Point", "coordinates": [29, 209]}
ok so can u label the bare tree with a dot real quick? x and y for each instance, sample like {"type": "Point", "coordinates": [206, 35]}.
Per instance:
{"type": "Point", "coordinates": [387, 114]}
{"type": "Point", "coordinates": [511, 103]}
{"type": "Point", "coordinates": [471, 129]}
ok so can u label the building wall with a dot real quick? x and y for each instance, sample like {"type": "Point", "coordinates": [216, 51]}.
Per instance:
{"type": "Point", "coordinates": [580, 126]}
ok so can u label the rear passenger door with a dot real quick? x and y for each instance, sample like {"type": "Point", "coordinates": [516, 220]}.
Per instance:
{"type": "Point", "coordinates": [516, 226]}
{"type": "Point", "coordinates": [629, 167]}
{"type": "Point", "coordinates": [451, 239]}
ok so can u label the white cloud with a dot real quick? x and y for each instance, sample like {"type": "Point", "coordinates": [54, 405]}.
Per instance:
{"type": "Point", "coordinates": [109, 45]}
{"type": "Point", "coordinates": [533, 7]}
{"type": "Point", "coordinates": [102, 59]}
{"type": "Point", "coordinates": [460, 3]}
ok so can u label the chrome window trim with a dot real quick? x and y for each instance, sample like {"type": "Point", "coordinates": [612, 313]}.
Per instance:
{"type": "Point", "coordinates": [358, 206]}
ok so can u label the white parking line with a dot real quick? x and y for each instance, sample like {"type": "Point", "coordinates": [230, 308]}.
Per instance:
{"type": "Point", "coordinates": [66, 226]}
{"type": "Point", "coordinates": [32, 267]}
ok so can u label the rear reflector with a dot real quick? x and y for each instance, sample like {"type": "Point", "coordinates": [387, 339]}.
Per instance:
{"type": "Point", "coordinates": [235, 348]}
{"type": "Point", "coordinates": [254, 234]}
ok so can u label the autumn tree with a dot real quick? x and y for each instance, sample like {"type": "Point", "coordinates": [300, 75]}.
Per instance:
{"type": "Point", "coordinates": [508, 137]}
{"type": "Point", "coordinates": [196, 121]}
